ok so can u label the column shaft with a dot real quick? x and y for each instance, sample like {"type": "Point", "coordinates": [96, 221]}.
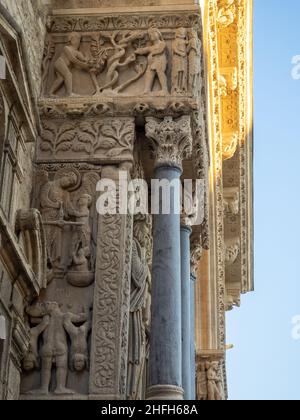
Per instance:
{"type": "Point", "coordinates": [165, 350]}
{"type": "Point", "coordinates": [186, 310]}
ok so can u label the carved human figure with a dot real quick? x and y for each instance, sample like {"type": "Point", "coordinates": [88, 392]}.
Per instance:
{"type": "Point", "coordinates": [80, 260]}
{"type": "Point", "coordinates": [54, 351]}
{"type": "Point", "coordinates": [157, 62]}
{"type": "Point", "coordinates": [79, 345]}
{"type": "Point", "coordinates": [82, 216]}
{"type": "Point", "coordinates": [55, 206]}
{"type": "Point", "coordinates": [70, 58]}
{"type": "Point", "coordinates": [139, 314]}
{"type": "Point", "coordinates": [214, 382]}
{"type": "Point", "coordinates": [179, 64]}
{"type": "Point", "coordinates": [194, 51]}
{"type": "Point", "coordinates": [31, 360]}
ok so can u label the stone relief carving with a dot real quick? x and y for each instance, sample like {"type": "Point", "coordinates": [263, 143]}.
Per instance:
{"type": "Point", "coordinates": [55, 325]}
{"type": "Point", "coordinates": [232, 250]}
{"type": "Point", "coordinates": [69, 58]}
{"type": "Point", "coordinates": [62, 24]}
{"type": "Point", "coordinates": [140, 308]}
{"type": "Point", "coordinates": [226, 12]}
{"type": "Point", "coordinates": [107, 139]}
{"type": "Point", "coordinates": [231, 197]}
{"type": "Point", "coordinates": [209, 381]}
{"type": "Point", "coordinates": [172, 139]}
{"type": "Point", "coordinates": [65, 203]}
{"type": "Point", "coordinates": [180, 62]}
{"type": "Point", "coordinates": [120, 62]}
{"type": "Point", "coordinates": [194, 57]}
{"type": "Point", "coordinates": [230, 144]}
{"type": "Point", "coordinates": [157, 62]}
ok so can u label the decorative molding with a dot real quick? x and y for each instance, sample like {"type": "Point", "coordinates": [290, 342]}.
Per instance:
{"type": "Point", "coordinates": [61, 24]}
{"type": "Point", "coordinates": [89, 139]}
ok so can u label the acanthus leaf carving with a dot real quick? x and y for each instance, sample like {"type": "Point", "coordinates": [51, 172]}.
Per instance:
{"type": "Point", "coordinates": [172, 139]}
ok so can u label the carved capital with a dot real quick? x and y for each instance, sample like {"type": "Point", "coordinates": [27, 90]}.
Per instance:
{"type": "Point", "coordinates": [172, 139]}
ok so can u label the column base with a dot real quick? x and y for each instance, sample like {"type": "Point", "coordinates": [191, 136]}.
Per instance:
{"type": "Point", "coordinates": [165, 392]}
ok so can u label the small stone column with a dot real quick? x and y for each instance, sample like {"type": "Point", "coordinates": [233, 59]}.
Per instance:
{"type": "Point", "coordinates": [192, 342]}
{"type": "Point", "coordinates": [185, 233]}
{"type": "Point", "coordinates": [172, 139]}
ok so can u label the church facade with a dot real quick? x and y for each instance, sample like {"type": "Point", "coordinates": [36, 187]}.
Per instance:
{"type": "Point", "coordinates": [112, 286]}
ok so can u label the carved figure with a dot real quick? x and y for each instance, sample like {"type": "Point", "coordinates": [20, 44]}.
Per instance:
{"type": "Point", "coordinates": [180, 62]}
{"type": "Point", "coordinates": [70, 57]}
{"type": "Point", "coordinates": [139, 313]}
{"type": "Point", "coordinates": [227, 11]}
{"type": "Point", "coordinates": [157, 62]}
{"type": "Point", "coordinates": [55, 206]}
{"type": "Point", "coordinates": [194, 51]}
{"type": "Point", "coordinates": [54, 351]}
{"type": "Point", "coordinates": [79, 346]}
{"type": "Point", "coordinates": [114, 62]}
{"type": "Point", "coordinates": [31, 360]}
{"type": "Point", "coordinates": [214, 382]}
{"type": "Point", "coordinates": [82, 216]}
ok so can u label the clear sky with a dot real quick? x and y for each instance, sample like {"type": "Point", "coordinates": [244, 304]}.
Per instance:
{"type": "Point", "coordinates": [265, 363]}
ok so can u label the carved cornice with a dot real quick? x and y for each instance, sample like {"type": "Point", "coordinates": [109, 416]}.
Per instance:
{"type": "Point", "coordinates": [125, 21]}
{"type": "Point", "coordinates": [172, 139]}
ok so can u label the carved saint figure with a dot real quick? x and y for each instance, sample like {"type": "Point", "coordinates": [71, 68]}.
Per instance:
{"type": "Point", "coordinates": [139, 315]}
{"type": "Point", "coordinates": [70, 57]}
{"type": "Point", "coordinates": [157, 62]}
{"type": "Point", "coordinates": [31, 360]}
{"type": "Point", "coordinates": [194, 51]}
{"type": "Point", "coordinates": [180, 62]}
{"type": "Point", "coordinates": [54, 351]}
{"type": "Point", "coordinates": [214, 382]}
{"type": "Point", "coordinates": [55, 205]}
{"type": "Point", "coordinates": [79, 346]}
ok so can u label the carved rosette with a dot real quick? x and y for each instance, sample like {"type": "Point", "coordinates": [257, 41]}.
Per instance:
{"type": "Point", "coordinates": [172, 139]}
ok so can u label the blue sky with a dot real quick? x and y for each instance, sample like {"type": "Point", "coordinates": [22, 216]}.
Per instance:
{"type": "Point", "coordinates": [265, 363]}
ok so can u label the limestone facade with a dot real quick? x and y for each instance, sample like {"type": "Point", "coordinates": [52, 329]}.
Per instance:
{"type": "Point", "coordinates": [90, 304]}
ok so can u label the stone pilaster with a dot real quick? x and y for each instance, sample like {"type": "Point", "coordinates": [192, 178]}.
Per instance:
{"type": "Point", "coordinates": [172, 139]}
{"type": "Point", "coordinates": [108, 370]}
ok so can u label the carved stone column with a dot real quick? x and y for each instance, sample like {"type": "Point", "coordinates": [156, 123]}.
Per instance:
{"type": "Point", "coordinates": [173, 140]}
{"type": "Point", "coordinates": [185, 233]}
{"type": "Point", "coordinates": [192, 342]}
{"type": "Point", "coordinates": [108, 370]}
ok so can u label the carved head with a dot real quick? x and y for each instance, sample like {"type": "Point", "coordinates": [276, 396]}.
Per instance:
{"type": "Point", "coordinates": [85, 201]}
{"type": "Point", "coordinates": [181, 33]}
{"type": "Point", "coordinates": [51, 307]}
{"type": "Point", "coordinates": [75, 40]}
{"type": "Point", "coordinates": [68, 180]}
{"type": "Point", "coordinates": [79, 362]}
{"type": "Point", "coordinates": [155, 35]}
{"type": "Point", "coordinates": [30, 362]}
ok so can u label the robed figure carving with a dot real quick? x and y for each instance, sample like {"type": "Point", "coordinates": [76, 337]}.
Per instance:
{"type": "Point", "coordinates": [139, 318]}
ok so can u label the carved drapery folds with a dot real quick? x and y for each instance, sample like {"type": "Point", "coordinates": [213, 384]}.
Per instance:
{"type": "Point", "coordinates": [172, 139]}
{"type": "Point", "coordinates": [140, 309]}
{"type": "Point", "coordinates": [29, 228]}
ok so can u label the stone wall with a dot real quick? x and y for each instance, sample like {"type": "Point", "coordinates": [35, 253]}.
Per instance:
{"type": "Point", "coordinates": [30, 15]}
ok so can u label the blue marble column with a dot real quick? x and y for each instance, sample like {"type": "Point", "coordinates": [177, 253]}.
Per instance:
{"type": "Point", "coordinates": [185, 233]}
{"type": "Point", "coordinates": [172, 140]}
{"type": "Point", "coordinates": [192, 342]}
